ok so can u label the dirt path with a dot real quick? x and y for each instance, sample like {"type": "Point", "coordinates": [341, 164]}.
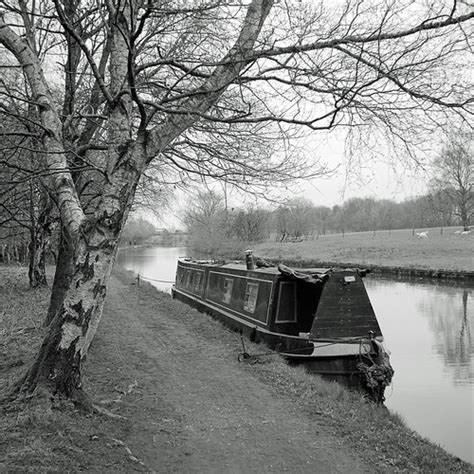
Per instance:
{"type": "Point", "coordinates": [191, 406]}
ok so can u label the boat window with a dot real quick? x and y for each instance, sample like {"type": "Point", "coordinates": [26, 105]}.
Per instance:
{"type": "Point", "coordinates": [198, 281]}
{"type": "Point", "coordinates": [228, 285]}
{"type": "Point", "coordinates": [189, 278]}
{"type": "Point", "coordinates": [250, 300]}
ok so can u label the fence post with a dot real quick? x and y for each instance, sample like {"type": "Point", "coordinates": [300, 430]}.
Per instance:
{"type": "Point", "coordinates": [138, 279]}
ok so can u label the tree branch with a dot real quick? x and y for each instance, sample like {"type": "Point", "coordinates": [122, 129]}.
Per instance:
{"type": "Point", "coordinates": [69, 204]}
{"type": "Point", "coordinates": [223, 75]}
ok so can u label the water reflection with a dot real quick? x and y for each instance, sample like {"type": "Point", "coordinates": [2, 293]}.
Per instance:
{"type": "Point", "coordinates": [449, 321]}
{"type": "Point", "coordinates": [428, 327]}
{"type": "Point", "coordinates": [157, 265]}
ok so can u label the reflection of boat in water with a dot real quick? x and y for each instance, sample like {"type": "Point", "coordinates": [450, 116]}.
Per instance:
{"type": "Point", "coordinates": [319, 317]}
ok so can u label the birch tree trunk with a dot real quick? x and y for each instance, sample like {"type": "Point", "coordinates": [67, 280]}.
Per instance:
{"type": "Point", "coordinates": [40, 237]}
{"type": "Point", "coordinates": [62, 277]}
{"type": "Point", "coordinates": [57, 368]}
{"type": "Point", "coordinates": [92, 242]}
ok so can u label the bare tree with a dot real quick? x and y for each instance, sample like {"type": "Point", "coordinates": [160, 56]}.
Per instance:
{"type": "Point", "coordinates": [26, 209]}
{"type": "Point", "coordinates": [206, 221]}
{"type": "Point", "coordinates": [293, 219]}
{"type": "Point", "coordinates": [251, 224]}
{"type": "Point", "coordinates": [137, 230]}
{"type": "Point", "coordinates": [454, 174]}
{"type": "Point", "coordinates": [144, 80]}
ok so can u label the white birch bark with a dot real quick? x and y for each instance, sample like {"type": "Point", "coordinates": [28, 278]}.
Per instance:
{"type": "Point", "coordinates": [95, 240]}
{"type": "Point", "coordinates": [55, 157]}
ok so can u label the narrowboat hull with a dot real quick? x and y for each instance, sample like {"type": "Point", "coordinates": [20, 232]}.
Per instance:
{"type": "Point", "coordinates": [340, 367]}
{"type": "Point", "coordinates": [318, 318]}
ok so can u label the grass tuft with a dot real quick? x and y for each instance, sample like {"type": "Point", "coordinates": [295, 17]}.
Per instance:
{"type": "Point", "coordinates": [21, 316]}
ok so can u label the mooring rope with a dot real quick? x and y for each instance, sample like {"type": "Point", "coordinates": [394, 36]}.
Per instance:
{"type": "Point", "coordinates": [141, 277]}
{"type": "Point", "coordinates": [253, 358]}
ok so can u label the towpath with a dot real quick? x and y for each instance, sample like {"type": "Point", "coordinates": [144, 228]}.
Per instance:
{"type": "Point", "coordinates": [189, 405]}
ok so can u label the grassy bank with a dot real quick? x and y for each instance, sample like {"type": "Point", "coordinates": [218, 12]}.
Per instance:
{"type": "Point", "coordinates": [36, 435]}
{"type": "Point", "coordinates": [398, 248]}
{"type": "Point", "coordinates": [41, 437]}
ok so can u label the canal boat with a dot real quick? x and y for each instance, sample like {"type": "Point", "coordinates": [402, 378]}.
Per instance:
{"type": "Point", "coordinates": [320, 317]}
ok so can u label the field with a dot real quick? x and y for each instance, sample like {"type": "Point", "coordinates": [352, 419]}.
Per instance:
{"type": "Point", "coordinates": [397, 248]}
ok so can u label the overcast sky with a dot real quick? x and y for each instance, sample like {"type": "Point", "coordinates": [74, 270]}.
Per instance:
{"type": "Point", "coordinates": [378, 180]}
{"type": "Point", "coordinates": [382, 177]}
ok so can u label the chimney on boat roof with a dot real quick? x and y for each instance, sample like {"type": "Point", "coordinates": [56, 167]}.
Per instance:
{"type": "Point", "coordinates": [249, 260]}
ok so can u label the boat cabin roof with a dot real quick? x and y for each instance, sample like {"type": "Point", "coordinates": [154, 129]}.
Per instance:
{"type": "Point", "coordinates": [236, 265]}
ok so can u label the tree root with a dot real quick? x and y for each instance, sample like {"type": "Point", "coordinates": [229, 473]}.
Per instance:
{"type": "Point", "coordinates": [104, 411]}
{"type": "Point", "coordinates": [128, 450]}
{"type": "Point", "coordinates": [123, 393]}
{"type": "Point", "coordinates": [79, 399]}
{"type": "Point", "coordinates": [82, 402]}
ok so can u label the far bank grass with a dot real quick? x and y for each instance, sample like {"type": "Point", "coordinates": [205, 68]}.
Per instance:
{"type": "Point", "coordinates": [52, 439]}
{"type": "Point", "coordinates": [398, 248]}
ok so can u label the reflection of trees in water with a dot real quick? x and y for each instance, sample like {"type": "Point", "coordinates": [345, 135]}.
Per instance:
{"type": "Point", "coordinates": [452, 323]}
{"type": "Point", "coordinates": [465, 337]}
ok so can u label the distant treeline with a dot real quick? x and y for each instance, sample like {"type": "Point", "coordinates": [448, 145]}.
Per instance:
{"type": "Point", "coordinates": [136, 231]}
{"type": "Point", "coordinates": [212, 226]}
{"type": "Point", "coordinates": [299, 218]}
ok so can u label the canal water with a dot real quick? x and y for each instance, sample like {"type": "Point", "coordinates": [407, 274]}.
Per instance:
{"type": "Point", "coordinates": [428, 328]}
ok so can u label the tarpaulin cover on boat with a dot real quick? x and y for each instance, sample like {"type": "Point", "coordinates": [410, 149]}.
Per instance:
{"type": "Point", "coordinates": [306, 277]}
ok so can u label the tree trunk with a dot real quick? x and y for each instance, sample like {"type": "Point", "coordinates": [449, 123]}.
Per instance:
{"type": "Point", "coordinates": [82, 274]}
{"type": "Point", "coordinates": [58, 365]}
{"type": "Point", "coordinates": [40, 237]}
{"type": "Point", "coordinates": [89, 249]}
{"type": "Point", "coordinates": [62, 277]}
{"type": "Point", "coordinates": [36, 264]}
{"type": "Point", "coordinates": [464, 217]}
